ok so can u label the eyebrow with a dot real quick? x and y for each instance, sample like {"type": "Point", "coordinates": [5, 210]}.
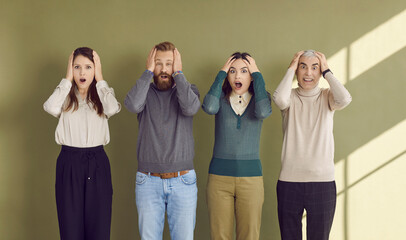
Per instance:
{"type": "Point", "coordinates": [314, 64]}
{"type": "Point", "coordinates": [158, 59]}
{"type": "Point", "coordinates": [240, 68]}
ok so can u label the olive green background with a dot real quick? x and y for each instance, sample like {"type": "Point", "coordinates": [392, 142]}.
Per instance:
{"type": "Point", "coordinates": [37, 37]}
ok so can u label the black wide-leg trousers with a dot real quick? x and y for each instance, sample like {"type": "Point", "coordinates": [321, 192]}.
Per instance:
{"type": "Point", "coordinates": [319, 200]}
{"type": "Point", "coordinates": [84, 193]}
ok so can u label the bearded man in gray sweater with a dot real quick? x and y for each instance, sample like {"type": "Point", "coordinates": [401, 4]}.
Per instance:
{"type": "Point", "coordinates": [166, 180]}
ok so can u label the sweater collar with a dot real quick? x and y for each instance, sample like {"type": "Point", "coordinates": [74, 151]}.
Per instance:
{"type": "Point", "coordinates": [154, 86]}
{"type": "Point", "coordinates": [308, 93]}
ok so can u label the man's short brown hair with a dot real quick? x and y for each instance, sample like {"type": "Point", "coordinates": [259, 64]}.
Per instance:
{"type": "Point", "coordinates": [165, 46]}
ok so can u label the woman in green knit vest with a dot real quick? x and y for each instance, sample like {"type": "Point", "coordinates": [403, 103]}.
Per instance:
{"type": "Point", "coordinates": [235, 186]}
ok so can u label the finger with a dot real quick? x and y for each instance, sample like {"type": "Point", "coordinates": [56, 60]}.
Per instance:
{"type": "Point", "coordinates": [177, 53]}
{"type": "Point", "coordinates": [251, 60]}
{"type": "Point", "coordinates": [71, 56]}
{"type": "Point", "coordinates": [96, 56]}
{"type": "Point", "coordinates": [299, 54]}
{"type": "Point", "coordinates": [231, 62]}
{"type": "Point", "coordinates": [320, 53]}
{"type": "Point", "coordinates": [321, 57]}
{"type": "Point", "coordinates": [154, 53]}
{"type": "Point", "coordinates": [247, 63]}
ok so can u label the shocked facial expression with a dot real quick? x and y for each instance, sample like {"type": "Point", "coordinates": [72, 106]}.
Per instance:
{"type": "Point", "coordinates": [163, 69]}
{"type": "Point", "coordinates": [239, 77]}
{"type": "Point", "coordinates": [308, 72]}
{"type": "Point", "coordinates": [83, 72]}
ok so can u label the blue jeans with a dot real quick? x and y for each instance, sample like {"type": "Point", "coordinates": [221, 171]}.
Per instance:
{"type": "Point", "coordinates": [177, 196]}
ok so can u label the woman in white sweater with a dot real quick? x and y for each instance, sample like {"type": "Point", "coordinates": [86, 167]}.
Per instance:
{"type": "Point", "coordinates": [83, 102]}
{"type": "Point", "coordinates": [306, 179]}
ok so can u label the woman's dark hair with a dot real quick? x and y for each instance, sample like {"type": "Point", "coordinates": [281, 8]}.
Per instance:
{"type": "Point", "coordinates": [92, 95]}
{"type": "Point", "coordinates": [226, 84]}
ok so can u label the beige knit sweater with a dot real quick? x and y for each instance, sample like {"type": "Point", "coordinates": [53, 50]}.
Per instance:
{"type": "Point", "coordinates": [308, 141]}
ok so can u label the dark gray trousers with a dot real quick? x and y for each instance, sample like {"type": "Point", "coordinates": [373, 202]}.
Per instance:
{"type": "Point", "coordinates": [319, 200]}
{"type": "Point", "coordinates": [84, 193]}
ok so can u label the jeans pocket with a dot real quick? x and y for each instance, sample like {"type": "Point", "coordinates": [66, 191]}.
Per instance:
{"type": "Point", "coordinates": [189, 178]}
{"type": "Point", "coordinates": [141, 178]}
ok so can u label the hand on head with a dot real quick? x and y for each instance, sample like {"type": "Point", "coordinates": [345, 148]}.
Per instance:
{"type": "Point", "coordinates": [97, 67]}
{"type": "Point", "coordinates": [252, 66]}
{"type": "Point", "coordinates": [151, 60]}
{"type": "Point", "coordinates": [323, 61]}
{"type": "Point", "coordinates": [227, 65]}
{"type": "Point", "coordinates": [177, 61]}
{"type": "Point", "coordinates": [295, 61]}
{"type": "Point", "coordinates": [69, 71]}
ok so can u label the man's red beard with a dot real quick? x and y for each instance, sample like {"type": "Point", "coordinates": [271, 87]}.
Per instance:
{"type": "Point", "coordinates": [163, 85]}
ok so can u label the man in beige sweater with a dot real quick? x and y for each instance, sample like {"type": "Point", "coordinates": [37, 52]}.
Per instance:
{"type": "Point", "coordinates": [306, 179]}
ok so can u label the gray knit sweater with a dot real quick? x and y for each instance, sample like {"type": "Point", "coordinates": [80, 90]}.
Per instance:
{"type": "Point", "coordinates": [165, 137]}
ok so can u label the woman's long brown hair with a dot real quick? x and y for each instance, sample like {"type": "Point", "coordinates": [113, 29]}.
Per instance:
{"type": "Point", "coordinates": [92, 95]}
{"type": "Point", "coordinates": [227, 89]}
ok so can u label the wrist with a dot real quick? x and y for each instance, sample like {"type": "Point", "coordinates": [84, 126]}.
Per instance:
{"type": "Point", "coordinates": [99, 78]}
{"type": "Point", "coordinates": [254, 70]}
{"type": "Point", "coordinates": [150, 72]}
{"type": "Point", "coordinates": [325, 72]}
{"type": "Point", "coordinates": [176, 73]}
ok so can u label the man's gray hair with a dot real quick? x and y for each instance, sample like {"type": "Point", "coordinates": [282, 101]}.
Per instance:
{"type": "Point", "coordinates": [309, 53]}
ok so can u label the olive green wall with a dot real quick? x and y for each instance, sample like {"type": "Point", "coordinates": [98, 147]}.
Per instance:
{"type": "Point", "coordinates": [38, 36]}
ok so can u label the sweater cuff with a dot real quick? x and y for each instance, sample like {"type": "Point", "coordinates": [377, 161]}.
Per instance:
{"type": "Point", "coordinates": [146, 76]}
{"type": "Point", "coordinates": [176, 73]}
{"type": "Point", "coordinates": [179, 78]}
{"type": "Point", "coordinates": [101, 84]}
{"type": "Point", "coordinates": [148, 71]}
{"type": "Point", "coordinates": [65, 83]}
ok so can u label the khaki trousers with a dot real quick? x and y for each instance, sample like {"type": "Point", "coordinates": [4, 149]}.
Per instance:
{"type": "Point", "coordinates": [235, 197]}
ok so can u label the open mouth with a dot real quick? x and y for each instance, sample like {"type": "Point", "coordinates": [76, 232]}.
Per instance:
{"type": "Point", "coordinates": [164, 77]}
{"type": "Point", "coordinates": [82, 80]}
{"type": "Point", "coordinates": [308, 79]}
{"type": "Point", "coordinates": [238, 85]}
